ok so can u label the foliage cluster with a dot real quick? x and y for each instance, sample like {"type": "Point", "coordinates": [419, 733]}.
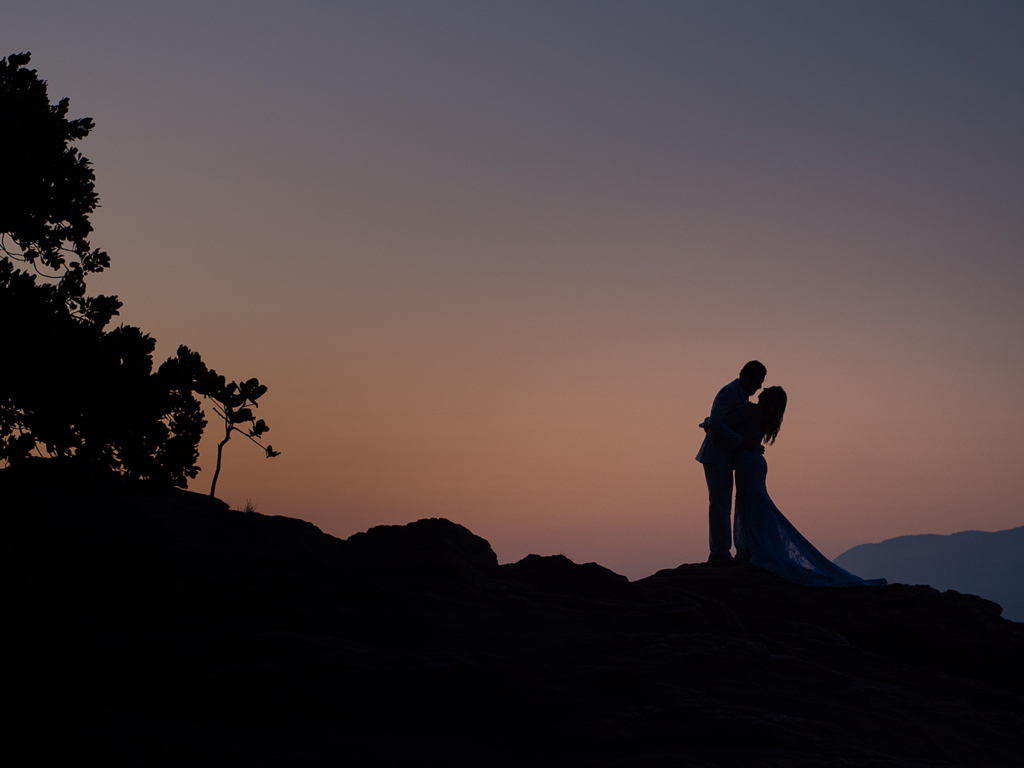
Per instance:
{"type": "Point", "coordinates": [68, 386]}
{"type": "Point", "coordinates": [47, 190]}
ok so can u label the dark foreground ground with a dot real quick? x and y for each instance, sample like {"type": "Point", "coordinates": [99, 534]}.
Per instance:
{"type": "Point", "coordinates": [169, 630]}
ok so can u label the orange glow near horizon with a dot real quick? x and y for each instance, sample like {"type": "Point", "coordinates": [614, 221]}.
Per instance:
{"type": "Point", "coordinates": [494, 265]}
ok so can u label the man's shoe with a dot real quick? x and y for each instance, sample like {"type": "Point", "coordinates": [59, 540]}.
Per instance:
{"type": "Point", "coordinates": [720, 557]}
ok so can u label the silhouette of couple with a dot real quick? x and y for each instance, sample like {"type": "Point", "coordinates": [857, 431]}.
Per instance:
{"type": "Point", "coordinates": [737, 432]}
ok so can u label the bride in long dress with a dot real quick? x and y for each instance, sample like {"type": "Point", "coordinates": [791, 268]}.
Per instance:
{"type": "Point", "coordinates": [762, 530]}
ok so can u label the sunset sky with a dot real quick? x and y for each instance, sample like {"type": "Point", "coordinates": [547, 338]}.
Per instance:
{"type": "Point", "coordinates": [493, 260]}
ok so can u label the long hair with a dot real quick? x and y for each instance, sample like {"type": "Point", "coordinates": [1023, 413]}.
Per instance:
{"type": "Point", "coordinates": [773, 406]}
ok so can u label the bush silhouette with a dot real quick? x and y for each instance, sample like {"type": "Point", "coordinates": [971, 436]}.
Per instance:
{"type": "Point", "coordinates": [68, 387]}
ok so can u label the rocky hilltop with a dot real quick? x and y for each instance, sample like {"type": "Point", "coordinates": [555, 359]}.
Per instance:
{"type": "Point", "coordinates": [166, 629]}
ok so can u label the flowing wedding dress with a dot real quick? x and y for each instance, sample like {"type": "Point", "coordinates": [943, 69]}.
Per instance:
{"type": "Point", "coordinates": [770, 538]}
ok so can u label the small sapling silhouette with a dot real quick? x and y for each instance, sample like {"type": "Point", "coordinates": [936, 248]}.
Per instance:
{"type": "Point", "coordinates": [231, 401]}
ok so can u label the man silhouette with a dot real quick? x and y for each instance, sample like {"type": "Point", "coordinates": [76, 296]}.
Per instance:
{"type": "Point", "coordinates": [718, 455]}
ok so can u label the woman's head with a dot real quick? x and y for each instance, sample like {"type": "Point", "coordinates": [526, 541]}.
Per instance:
{"type": "Point", "coordinates": [773, 405]}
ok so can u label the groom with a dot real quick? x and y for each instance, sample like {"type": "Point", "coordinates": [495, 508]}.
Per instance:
{"type": "Point", "coordinates": [718, 455]}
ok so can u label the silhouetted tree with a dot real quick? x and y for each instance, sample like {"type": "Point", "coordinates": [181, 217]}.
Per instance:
{"type": "Point", "coordinates": [47, 189]}
{"type": "Point", "coordinates": [232, 402]}
{"type": "Point", "coordinates": [69, 388]}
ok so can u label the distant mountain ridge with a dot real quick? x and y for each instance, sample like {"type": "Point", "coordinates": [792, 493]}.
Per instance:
{"type": "Point", "coordinates": [983, 563]}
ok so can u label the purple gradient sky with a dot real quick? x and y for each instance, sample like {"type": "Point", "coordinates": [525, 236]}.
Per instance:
{"type": "Point", "coordinates": [494, 259]}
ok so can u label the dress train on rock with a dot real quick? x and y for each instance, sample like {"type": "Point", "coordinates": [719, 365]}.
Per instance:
{"type": "Point", "coordinates": [772, 541]}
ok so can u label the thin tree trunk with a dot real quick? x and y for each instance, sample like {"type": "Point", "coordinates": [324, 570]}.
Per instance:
{"type": "Point", "coordinates": [216, 472]}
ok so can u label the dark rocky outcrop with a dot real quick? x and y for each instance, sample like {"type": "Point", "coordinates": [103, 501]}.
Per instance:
{"type": "Point", "coordinates": [557, 574]}
{"type": "Point", "coordinates": [432, 547]}
{"type": "Point", "coordinates": [166, 629]}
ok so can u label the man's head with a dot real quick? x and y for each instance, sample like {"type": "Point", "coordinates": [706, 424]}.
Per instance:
{"type": "Point", "coordinates": [752, 376]}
